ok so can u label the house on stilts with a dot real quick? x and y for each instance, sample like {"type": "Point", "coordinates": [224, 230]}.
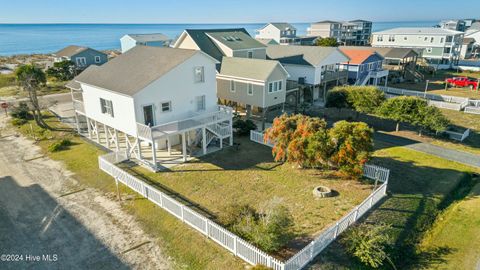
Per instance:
{"type": "Point", "coordinates": [157, 104]}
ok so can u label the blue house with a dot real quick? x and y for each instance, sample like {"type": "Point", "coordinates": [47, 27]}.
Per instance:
{"type": "Point", "coordinates": [82, 57]}
{"type": "Point", "coordinates": [365, 67]}
{"type": "Point", "coordinates": [154, 40]}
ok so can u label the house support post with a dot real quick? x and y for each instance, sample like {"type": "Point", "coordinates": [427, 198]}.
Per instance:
{"type": "Point", "coordinates": [96, 131]}
{"type": "Point", "coordinates": [325, 92]}
{"type": "Point", "coordinates": [117, 142]}
{"type": "Point", "coordinates": [154, 154]}
{"type": "Point", "coordinates": [184, 147]}
{"type": "Point", "coordinates": [169, 146]}
{"type": "Point", "coordinates": [77, 122]}
{"type": "Point", "coordinates": [106, 136]}
{"type": "Point", "coordinates": [139, 145]}
{"type": "Point", "coordinates": [204, 140]}
{"type": "Point", "coordinates": [127, 145]}
{"type": "Point", "coordinates": [89, 128]}
{"type": "Point", "coordinates": [230, 122]}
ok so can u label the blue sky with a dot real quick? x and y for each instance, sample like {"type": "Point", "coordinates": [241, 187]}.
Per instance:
{"type": "Point", "coordinates": [233, 11]}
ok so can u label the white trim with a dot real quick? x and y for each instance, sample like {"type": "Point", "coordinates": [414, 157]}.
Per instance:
{"type": "Point", "coordinates": [95, 59]}
{"type": "Point", "coordinates": [239, 79]}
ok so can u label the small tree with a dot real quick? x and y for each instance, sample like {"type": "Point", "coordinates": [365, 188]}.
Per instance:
{"type": "Point", "coordinates": [365, 99]}
{"type": "Point", "coordinates": [352, 146]}
{"type": "Point", "coordinates": [368, 243]}
{"type": "Point", "coordinates": [403, 109]}
{"type": "Point", "coordinates": [327, 42]}
{"type": "Point", "coordinates": [30, 78]}
{"type": "Point", "coordinates": [63, 71]}
{"type": "Point", "coordinates": [338, 98]}
{"type": "Point", "coordinates": [433, 119]}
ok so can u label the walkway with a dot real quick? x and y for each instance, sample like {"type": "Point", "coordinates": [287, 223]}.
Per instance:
{"type": "Point", "coordinates": [449, 154]}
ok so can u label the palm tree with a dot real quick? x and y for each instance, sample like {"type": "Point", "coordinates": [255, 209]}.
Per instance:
{"type": "Point", "coordinates": [30, 78]}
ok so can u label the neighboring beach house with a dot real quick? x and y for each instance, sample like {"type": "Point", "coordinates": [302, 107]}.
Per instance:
{"type": "Point", "coordinates": [154, 40]}
{"type": "Point", "coordinates": [158, 104]}
{"type": "Point", "coordinates": [283, 33]}
{"type": "Point", "coordinates": [82, 57]}
{"type": "Point", "coordinates": [440, 47]}
{"type": "Point", "coordinates": [467, 48]}
{"type": "Point", "coordinates": [400, 62]}
{"type": "Point", "coordinates": [356, 33]}
{"type": "Point", "coordinates": [313, 70]}
{"type": "Point", "coordinates": [252, 83]}
{"type": "Point", "coordinates": [364, 67]}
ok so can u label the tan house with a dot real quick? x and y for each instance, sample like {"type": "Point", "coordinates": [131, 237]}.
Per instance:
{"type": "Point", "coordinates": [254, 83]}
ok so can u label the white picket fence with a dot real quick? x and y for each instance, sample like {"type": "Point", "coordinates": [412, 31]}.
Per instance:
{"type": "Point", "coordinates": [440, 101]}
{"type": "Point", "coordinates": [229, 240]}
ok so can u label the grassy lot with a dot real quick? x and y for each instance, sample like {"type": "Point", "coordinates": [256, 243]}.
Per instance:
{"type": "Point", "coordinates": [437, 84]}
{"type": "Point", "coordinates": [187, 247]}
{"type": "Point", "coordinates": [420, 187]}
{"type": "Point", "coordinates": [9, 87]}
{"type": "Point", "coordinates": [457, 229]}
{"type": "Point", "coordinates": [250, 175]}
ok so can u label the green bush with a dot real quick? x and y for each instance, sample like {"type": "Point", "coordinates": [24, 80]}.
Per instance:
{"type": "Point", "coordinates": [269, 229]}
{"type": "Point", "coordinates": [21, 111]}
{"type": "Point", "coordinates": [243, 127]}
{"type": "Point", "coordinates": [337, 98]}
{"type": "Point", "coordinates": [367, 243]}
{"type": "Point", "coordinates": [60, 145]}
{"type": "Point", "coordinates": [18, 122]}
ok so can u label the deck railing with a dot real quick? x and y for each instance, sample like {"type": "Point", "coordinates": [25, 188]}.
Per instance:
{"type": "Point", "coordinates": [222, 113]}
{"type": "Point", "coordinates": [78, 106]}
{"type": "Point", "coordinates": [334, 75]}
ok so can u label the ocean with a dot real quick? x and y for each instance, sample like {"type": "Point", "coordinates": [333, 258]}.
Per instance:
{"type": "Point", "coordinates": [48, 38]}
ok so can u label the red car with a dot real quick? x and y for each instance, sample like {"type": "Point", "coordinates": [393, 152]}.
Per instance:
{"type": "Point", "coordinates": [462, 82]}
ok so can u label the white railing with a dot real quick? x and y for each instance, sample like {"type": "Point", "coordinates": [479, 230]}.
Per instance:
{"type": "Point", "coordinates": [473, 110]}
{"type": "Point", "coordinates": [220, 130]}
{"type": "Point", "coordinates": [445, 105]}
{"type": "Point", "coordinates": [229, 240]}
{"type": "Point", "coordinates": [222, 113]}
{"type": "Point", "coordinates": [78, 106]}
{"type": "Point", "coordinates": [258, 137]}
{"type": "Point", "coordinates": [457, 135]}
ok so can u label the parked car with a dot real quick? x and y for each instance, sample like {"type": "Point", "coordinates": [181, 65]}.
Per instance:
{"type": "Point", "coordinates": [462, 82]}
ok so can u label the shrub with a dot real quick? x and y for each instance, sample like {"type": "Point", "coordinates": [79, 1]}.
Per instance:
{"type": "Point", "coordinates": [18, 122]}
{"type": "Point", "coordinates": [21, 111]}
{"type": "Point", "coordinates": [269, 229]}
{"type": "Point", "coordinates": [60, 145]}
{"type": "Point", "coordinates": [365, 99]}
{"type": "Point", "coordinates": [243, 127]}
{"type": "Point", "coordinates": [337, 98]}
{"type": "Point", "coordinates": [368, 242]}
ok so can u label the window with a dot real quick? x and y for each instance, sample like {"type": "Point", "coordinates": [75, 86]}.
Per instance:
{"type": "Point", "coordinates": [250, 89]}
{"type": "Point", "coordinates": [249, 54]}
{"type": "Point", "coordinates": [425, 39]}
{"type": "Point", "coordinates": [275, 86]}
{"type": "Point", "coordinates": [81, 61]}
{"type": "Point", "coordinates": [431, 40]}
{"type": "Point", "coordinates": [199, 74]}
{"type": "Point", "coordinates": [97, 59]}
{"type": "Point", "coordinates": [106, 106]}
{"type": "Point", "coordinates": [391, 38]}
{"type": "Point", "coordinates": [370, 66]}
{"type": "Point", "coordinates": [200, 100]}
{"type": "Point", "coordinates": [380, 38]}
{"type": "Point", "coordinates": [270, 87]}
{"type": "Point", "coordinates": [279, 86]}
{"type": "Point", "coordinates": [428, 50]}
{"type": "Point", "coordinates": [441, 40]}
{"type": "Point", "coordinates": [405, 38]}
{"type": "Point", "coordinates": [446, 50]}
{"type": "Point", "coordinates": [232, 86]}
{"type": "Point", "coordinates": [166, 106]}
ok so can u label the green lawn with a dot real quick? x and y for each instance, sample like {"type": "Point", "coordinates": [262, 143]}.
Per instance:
{"type": "Point", "coordinates": [457, 230]}
{"type": "Point", "coordinates": [437, 84]}
{"type": "Point", "coordinates": [420, 187]}
{"type": "Point", "coordinates": [249, 175]}
{"type": "Point", "coordinates": [10, 88]}
{"type": "Point", "coordinates": [188, 248]}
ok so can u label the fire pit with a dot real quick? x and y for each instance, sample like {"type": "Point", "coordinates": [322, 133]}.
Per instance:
{"type": "Point", "coordinates": [322, 192]}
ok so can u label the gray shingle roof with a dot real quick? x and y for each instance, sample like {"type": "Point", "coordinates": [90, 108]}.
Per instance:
{"type": "Point", "coordinates": [235, 40]}
{"type": "Point", "coordinates": [284, 26]}
{"type": "Point", "coordinates": [257, 69]}
{"type": "Point", "coordinates": [418, 30]}
{"type": "Point", "coordinates": [70, 51]}
{"type": "Point", "coordinates": [149, 37]}
{"type": "Point", "coordinates": [267, 41]}
{"type": "Point", "coordinates": [134, 70]}
{"type": "Point", "coordinates": [301, 55]}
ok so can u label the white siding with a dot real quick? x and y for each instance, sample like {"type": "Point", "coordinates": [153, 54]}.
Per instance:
{"type": "Point", "coordinates": [127, 43]}
{"type": "Point", "coordinates": [268, 32]}
{"type": "Point", "coordinates": [123, 109]}
{"type": "Point", "coordinates": [178, 87]}
{"type": "Point", "coordinates": [297, 71]}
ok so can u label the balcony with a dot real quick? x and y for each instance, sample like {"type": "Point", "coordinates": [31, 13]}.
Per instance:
{"type": "Point", "coordinates": [222, 114]}
{"type": "Point", "coordinates": [379, 73]}
{"type": "Point", "coordinates": [334, 75]}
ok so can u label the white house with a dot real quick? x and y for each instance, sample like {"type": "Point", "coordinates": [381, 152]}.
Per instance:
{"type": "Point", "coordinates": [154, 40]}
{"type": "Point", "coordinates": [283, 33]}
{"type": "Point", "coordinates": [441, 47]}
{"type": "Point", "coordinates": [315, 68]}
{"type": "Point", "coordinates": [151, 100]}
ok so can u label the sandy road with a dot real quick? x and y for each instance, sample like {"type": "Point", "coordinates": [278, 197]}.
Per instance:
{"type": "Point", "coordinates": [81, 230]}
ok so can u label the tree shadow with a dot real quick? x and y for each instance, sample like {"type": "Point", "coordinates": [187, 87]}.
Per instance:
{"type": "Point", "coordinates": [33, 223]}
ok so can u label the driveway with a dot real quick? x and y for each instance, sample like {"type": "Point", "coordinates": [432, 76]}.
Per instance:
{"type": "Point", "coordinates": [49, 221]}
{"type": "Point", "coordinates": [449, 154]}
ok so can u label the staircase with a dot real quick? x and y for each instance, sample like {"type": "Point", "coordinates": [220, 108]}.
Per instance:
{"type": "Point", "coordinates": [363, 79]}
